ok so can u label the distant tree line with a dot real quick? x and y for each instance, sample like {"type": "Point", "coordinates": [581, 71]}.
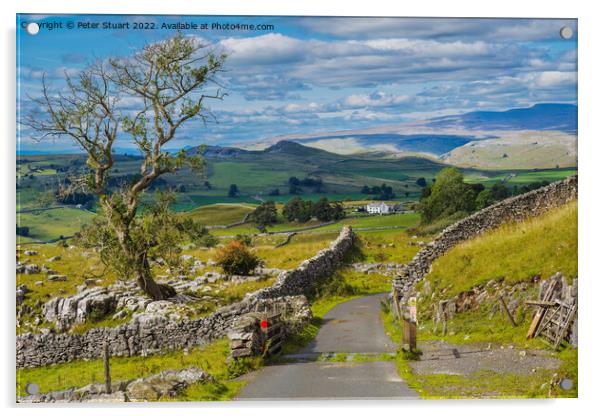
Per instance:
{"type": "Point", "coordinates": [296, 185]}
{"type": "Point", "coordinates": [383, 192]}
{"type": "Point", "coordinates": [296, 209]}
{"type": "Point", "coordinates": [450, 196]}
{"type": "Point", "coordinates": [299, 210]}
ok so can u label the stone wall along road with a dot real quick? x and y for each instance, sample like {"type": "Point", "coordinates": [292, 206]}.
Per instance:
{"type": "Point", "coordinates": [518, 208]}
{"type": "Point", "coordinates": [152, 332]}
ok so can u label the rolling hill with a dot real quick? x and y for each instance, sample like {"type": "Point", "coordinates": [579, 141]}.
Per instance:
{"type": "Point", "coordinates": [540, 136]}
{"type": "Point", "coordinates": [560, 117]}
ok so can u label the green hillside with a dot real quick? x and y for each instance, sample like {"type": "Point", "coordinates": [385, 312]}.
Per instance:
{"type": "Point", "coordinates": [514, 252]}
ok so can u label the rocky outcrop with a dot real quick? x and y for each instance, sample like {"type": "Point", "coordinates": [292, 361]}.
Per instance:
{"type": "Point", "coordinates": [96, 302]}
{"type": "Point", "coordinates": [166, 384]}
{"type": "Point", "coordinates": [152, 332]}
{"type": "Point", "coordinates": [27, 268]}
{"type": "Point", "coordinates": [513, 209]}
{"type": "Point", "coordinates": [22, 291]}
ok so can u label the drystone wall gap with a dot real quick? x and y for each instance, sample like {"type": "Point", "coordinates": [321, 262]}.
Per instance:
{"type": "Point", "coordinates": [151, 333]}
{"type": "Point", "coordinates": [518, 208]}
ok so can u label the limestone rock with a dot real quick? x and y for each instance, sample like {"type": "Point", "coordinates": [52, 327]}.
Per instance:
{"type": "Point", "coordinates": [65, 312]}
{"type": "Point", "coordinates": [165, 384]}
{"type": "Point", "coordinates": [29, 268]}
{"type": "Point", "coordinates": [22, 290]}
{"type": "Point", "coordinates": [57, 278]}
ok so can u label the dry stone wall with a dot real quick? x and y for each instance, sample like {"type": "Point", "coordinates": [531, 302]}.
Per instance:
{"type": "Point", "coordinates": [301, 280]}
{"type": "Point", "coordinates": [149, 333]}
{"type": "Point", "coordinates": [513, 209]}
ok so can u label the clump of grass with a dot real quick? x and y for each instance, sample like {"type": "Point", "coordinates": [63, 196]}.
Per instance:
{"type": "Point", "coordinates": [437, 226]}
{"type": "Point", "coordinates": [236, 292]}
{"type": "Point", "coordinates": [393, 245]}
{"type": "Point", "coordinates": [411, 355]}
{"type": "Point", "coordinates": [240, 366]}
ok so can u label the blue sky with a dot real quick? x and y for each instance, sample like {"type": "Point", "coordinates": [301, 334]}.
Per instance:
{"type": "Point", "coordinates": [313, 74]}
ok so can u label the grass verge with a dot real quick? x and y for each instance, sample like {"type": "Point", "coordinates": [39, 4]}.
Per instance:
{"type": "Point", "coordinates": [211, 358]}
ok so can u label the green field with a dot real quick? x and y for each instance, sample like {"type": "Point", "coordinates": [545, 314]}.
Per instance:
{"type": "Point", "coordinates": [51, 224]}
{"type": "Point", "coordinates": [375, 221]}
{"type": "Point", "coordinates": [220, 214]}
{"type": "Point", "coordinates": [520, 177]}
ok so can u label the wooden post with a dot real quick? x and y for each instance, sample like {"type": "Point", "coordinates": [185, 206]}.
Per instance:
{"type": "Point", "coordinates": [409, 320]}
{"type": "Point", "coordinates": [444, 329]}
{"type": "Point", "coordinates": [395, 305]}
{"type": "Point", "coordinates": [508, 314]}
{"type": "Point", "coordinates": [107, 368]}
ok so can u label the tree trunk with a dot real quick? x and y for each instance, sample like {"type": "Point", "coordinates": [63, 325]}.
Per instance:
{"type": "Point", "coordinates": [146, 282]}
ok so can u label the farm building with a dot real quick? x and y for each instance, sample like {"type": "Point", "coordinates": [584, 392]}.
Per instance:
{"type": "Point", "coordinates": [378, 208]}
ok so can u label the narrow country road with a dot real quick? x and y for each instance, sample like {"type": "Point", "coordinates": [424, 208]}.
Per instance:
{"type": "Point", "coordinates": [352, 327]}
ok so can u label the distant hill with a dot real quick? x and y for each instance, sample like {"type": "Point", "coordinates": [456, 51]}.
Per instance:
{"type": "Point", "coordinates": [283, 147]}
{"type": "Point", "coordinates": [518, 150]}
{"type": "Point", "coordinates": [561, 117]}
{"type": "Point", "coordinates": [540, 136]}
{"type": "Point", "coordinates": [258, 172]}
{"type": "Point", "coordinates": [433, 144]}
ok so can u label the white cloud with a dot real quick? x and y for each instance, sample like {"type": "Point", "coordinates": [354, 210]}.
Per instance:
{"type": "Point", "coordinates": [550, 79]}
{"type": "Point", "coordinates": [342, 63]}
{"type": "Point", "coordinates": [377, 99]}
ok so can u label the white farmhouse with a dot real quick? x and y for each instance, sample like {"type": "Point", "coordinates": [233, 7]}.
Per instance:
{"type": "Point", "coordinates": [378, 208]}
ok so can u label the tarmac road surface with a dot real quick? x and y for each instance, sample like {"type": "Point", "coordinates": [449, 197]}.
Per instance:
{"type": "Point", "coordinates": [352, 327]}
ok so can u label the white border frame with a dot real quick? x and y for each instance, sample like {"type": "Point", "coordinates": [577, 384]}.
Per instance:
{"type": "Point", "coordinates": [590, 150]}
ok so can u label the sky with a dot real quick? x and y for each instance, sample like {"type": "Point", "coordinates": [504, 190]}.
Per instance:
{"type": "Point", "coordinates": [319, 74]}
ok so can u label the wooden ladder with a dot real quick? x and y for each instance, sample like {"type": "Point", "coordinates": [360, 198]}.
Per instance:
{"type": "Point", "coordinates": [556, 323]}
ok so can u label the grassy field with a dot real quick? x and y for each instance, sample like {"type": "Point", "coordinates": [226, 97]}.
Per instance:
{"type": "Point", "coordinates": [374, 221]}
{"type": "Point", "coordinates": [220, 214]}
{"type": "Point", "coordinates": [50, 224]}
{"type": "Point", "coordinates": [213, 358]}
{"type": "Point", "coordinates": [519, 177]}
{"type": "Point", "coordinates": [540, 246]}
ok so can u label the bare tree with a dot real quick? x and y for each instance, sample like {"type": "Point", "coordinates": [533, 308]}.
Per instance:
{"type": "Point", "coordinates": [145, 99]}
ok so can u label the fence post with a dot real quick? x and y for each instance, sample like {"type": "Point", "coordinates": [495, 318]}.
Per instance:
{"type": "Point", "coordinates": [107, 368]}
{"type": "Point", "coordinates": [505, 308]}
{"type": "Point", "coordinates": [409, 321]}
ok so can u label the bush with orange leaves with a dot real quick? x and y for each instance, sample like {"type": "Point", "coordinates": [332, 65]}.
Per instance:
{"type": "Point", "coordinates": [236, 258]}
